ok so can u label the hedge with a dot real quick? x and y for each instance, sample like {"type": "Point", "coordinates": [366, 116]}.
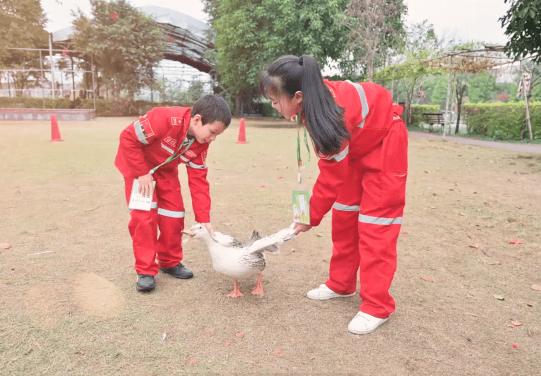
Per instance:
{"type": "Point", "coordinates": [104, 107]}
{"type": "Point", "coordinates": [503, 121]}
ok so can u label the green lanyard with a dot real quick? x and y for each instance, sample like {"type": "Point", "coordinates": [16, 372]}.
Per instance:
{"type": "Point", "coordinates": [299, 160]}
{"type": "Point", "coordinates": [176, 155]}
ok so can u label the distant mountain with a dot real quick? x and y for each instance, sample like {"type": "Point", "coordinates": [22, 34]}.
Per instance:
{"type": "Point", "coordinates": [160, 15]}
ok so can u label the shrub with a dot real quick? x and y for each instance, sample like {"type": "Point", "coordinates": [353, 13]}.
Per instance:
{"type": "Point", "coordinates": [417, 111]}
{"type": "Point", "coordinates": [503, 121]}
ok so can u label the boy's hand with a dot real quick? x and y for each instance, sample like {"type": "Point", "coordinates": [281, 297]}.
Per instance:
{"type": "Point", "coordinates": [208, 226]}
{"type": "Point", "coordinates": [299, 227]}
{"type": "Point", "coordinates": [145, 185]}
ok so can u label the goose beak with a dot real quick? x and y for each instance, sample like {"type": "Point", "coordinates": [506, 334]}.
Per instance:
{"type": "Point", "coordinates": [189, 232]}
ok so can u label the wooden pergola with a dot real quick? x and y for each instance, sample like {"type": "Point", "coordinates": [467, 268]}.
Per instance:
{"type": "Point", "coordinates": [472, 61]}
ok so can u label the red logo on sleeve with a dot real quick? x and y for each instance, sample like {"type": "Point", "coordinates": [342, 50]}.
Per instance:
{"type": "Point", "coordinates": [146, 128]}
{"type": "Point", "coordinates": [177, 121]}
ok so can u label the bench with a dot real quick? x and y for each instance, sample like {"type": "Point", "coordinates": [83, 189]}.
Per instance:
{"type": "Point", "coordinates": [434, 118]}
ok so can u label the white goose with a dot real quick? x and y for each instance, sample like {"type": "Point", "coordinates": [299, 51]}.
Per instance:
{"type": "Point", "coordinates": [240, 260]}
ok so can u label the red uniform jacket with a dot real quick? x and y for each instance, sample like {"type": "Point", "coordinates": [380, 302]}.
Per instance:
{"type": "Point", "coordinates": [367, 133]}
{"type": "Point", "coordinates": [151, 140]}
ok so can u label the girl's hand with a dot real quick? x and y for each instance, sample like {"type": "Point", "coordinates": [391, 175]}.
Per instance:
{"type": "Point", "coordinates": [208, 226]}
{"type": "Point", "coordinates": [146, 187]}
{"type": "Point", "coordinates": [299, 227]}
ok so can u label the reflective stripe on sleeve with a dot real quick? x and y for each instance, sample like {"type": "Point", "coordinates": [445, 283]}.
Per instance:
{"type": "Point", "coordinates": [193, 165]}
{"type": "Point", "coordinates": [339, 156]}
{"type": "Point", "coordinates": [170, 213]}
{"type": "Point", "coordinates": [154, 205]}
{"type": "Point", "coordinates": [184, 159]}
{"type": "Point", "coordinates": [139, 133]}
{"type": "Point", "coordinates": [348, 208]}
{"type": "Point", "coordinates": [379, 221]}
{"type": "Point", "coordinates": [364, 102]}
{"type": "Point", "coordinates": [168, 149]}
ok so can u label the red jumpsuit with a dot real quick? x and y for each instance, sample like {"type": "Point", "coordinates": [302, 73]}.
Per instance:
{"type": "Point", "coordinates": [144, 145]}
{"type": "Point", "coordinates": [365, 185]}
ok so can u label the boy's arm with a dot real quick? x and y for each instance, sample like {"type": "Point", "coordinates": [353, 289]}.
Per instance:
{"type": "Point", "coordinates": [199, 187]}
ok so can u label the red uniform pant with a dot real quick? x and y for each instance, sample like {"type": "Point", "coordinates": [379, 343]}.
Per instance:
{"type": "Point", "coordinates": [366, 222]}
{"type": "Point", "coordinates": [167, 216]}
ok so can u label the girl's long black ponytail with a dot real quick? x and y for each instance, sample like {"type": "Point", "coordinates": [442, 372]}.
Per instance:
{"type": "Point", "coordinates": [324, 118]}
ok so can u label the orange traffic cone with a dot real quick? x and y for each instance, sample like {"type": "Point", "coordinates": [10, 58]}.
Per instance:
{"type": "Point", "coordinates": [55, 133]}
{"type": "Point", "coordinates": [242, 132]}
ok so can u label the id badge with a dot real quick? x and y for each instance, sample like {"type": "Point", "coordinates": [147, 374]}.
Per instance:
{"type": "Point", "coordinates": [301, 207]}
{"type": "Point", "coordinates": [137, 200]}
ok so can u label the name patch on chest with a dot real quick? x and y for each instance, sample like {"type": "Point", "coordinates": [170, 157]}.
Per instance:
{"type": "Point", "coordinates": [170, 141]}
{"type": "Point", "coordinates": [190, 154]}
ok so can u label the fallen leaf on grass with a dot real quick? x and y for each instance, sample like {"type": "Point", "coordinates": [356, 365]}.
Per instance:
{"type": "Point", "coordinates": [261, 186]}
{"type": "Point", "coordinates": [279, 177]}
{"type": "Point", "coordinates": [228, 343]}
{"type": "Point", "coordinates": [240, 335]}
{"type": "Point", "coordinates": [516, 323]}
{"type": "Point", "coordinates": [293, 339]}
{"type": "Point", "coordinates": [209, 331]}
{"type": "Point", "coordinates": [277, 351]}
{"type": "Point", "coordinates": [319, 235]}
{"type": "Point", "coordinates": [5, 246]}
{"type": "Point", "coordinates": [462, 214]}
{"type": "Point", "coordinates": [515, 346]}
{"type": "Point", "coordinates": [428, 279]}
{"type": "Point", "coordinates": [516, 241]}
{"type": "Point", "coordinates": [499, 297]}
{"type": "Point", "coordinates": [474, 246]}
{"type": "Point", "coordinates": [193, 361]}
{"type": "Point", "coordinates": [536, 287]}
{"type": "Point", "coordinates": [521, 223]}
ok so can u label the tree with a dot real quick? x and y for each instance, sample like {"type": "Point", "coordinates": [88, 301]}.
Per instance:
{"type": "Point", "coordinates": [523, 27]}
{"type": "Point", "coordinates": [421, 44]}
{"type": "Point", "coordinates": [251, 33]}
{"type": "Point", "coordinates": [22, 26]}
{"type": "Point", "coordinates": [482, 88]}
{"type": "Point", "coordinates": [126, 45]}
{"type": "Point", "coordinates": [375, 26]}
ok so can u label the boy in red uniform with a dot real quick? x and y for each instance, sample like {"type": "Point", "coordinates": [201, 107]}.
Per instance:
{"type": "Point", "coordinates": [150, 150]}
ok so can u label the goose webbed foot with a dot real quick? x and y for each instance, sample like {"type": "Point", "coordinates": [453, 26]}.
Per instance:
{"type": "Point", "coordinates": [236, 291]}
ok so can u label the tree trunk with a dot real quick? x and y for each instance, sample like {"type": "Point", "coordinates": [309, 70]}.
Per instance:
{"type": "Point", "coordinates": [72, 78]}
{"type": "Point", "coordinates": [459, 107]}
{"type": "Point", "coordinates": [370, 65]}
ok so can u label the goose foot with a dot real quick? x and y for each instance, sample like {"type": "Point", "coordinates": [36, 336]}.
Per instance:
{"type": "Point", "coordinates": [258, 289]}
{"type": "Point", "coordinates": [236, 291]}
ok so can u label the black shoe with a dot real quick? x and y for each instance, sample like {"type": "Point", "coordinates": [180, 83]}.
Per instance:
{"type": "Point", "coordinates": [179, 271]}
{"type": "Point", "coordinates": [145, 283]}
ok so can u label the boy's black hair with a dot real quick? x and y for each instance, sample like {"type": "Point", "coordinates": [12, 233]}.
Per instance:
{"type": "Point", "coordinates": [212, 108]}
{"type": "Point", "coordinates": [324, 118]}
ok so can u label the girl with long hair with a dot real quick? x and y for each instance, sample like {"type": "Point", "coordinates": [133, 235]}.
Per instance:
{"type": "Point", "coordinates": [362, 145]}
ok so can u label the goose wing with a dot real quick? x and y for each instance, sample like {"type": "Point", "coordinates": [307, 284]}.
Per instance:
{"type": "Point", "coordinates": [271, 243]}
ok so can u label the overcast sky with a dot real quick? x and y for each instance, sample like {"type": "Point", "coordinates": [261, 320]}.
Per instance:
{"type": "Point", "coordinates": [468, 20]}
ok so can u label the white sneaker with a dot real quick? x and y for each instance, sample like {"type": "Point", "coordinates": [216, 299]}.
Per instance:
{"type": "Point", "coordinates": [324, 293]}
{"type": "Point", "coordinates": [363, 323]}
